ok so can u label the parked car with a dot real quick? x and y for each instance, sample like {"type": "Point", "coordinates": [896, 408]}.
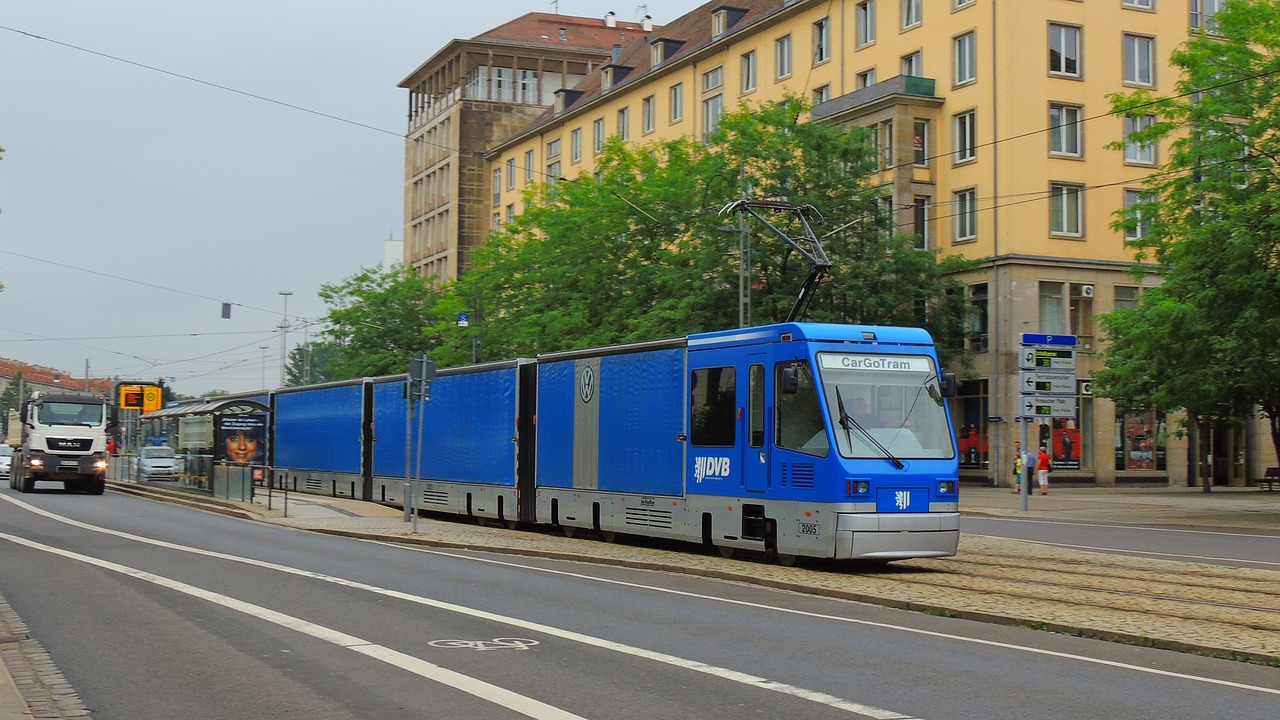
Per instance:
{"type": "Point", "coordinates": [6, 459]}
{"type": "Point", "coordinates": [156, 463]}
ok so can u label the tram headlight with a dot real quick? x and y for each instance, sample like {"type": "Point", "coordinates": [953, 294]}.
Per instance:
{"type": "Point", "coordinates": [946, 487]}
{"type": "Point", "coordinates": [857, 487]}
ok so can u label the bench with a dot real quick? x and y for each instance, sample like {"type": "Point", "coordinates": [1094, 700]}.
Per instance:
{"type": "Point", "coordinates": [1270, 479]}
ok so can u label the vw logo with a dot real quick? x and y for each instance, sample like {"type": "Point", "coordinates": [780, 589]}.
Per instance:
{"type": "Point", "coordinates": [587, 384]}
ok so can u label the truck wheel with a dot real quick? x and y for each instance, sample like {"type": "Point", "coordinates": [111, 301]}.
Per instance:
{"type": "Point", "coordinates": [27, 484]}
{"type": "Point", "coordinates": [97, 485]}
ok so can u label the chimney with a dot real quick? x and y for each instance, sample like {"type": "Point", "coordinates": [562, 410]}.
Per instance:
{"type": "Point", "coordinates": [647, 23]}
{"type": "Point", "coordinates": [611, 19]}
{"type": "Point", "coordinates": [616, 55]}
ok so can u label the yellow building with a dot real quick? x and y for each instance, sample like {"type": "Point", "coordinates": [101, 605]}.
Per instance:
{"type": "Point", "coordinates": [993, 123]}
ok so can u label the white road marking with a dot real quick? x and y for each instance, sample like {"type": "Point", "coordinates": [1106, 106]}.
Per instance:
{"type": "Point", "coordinates": [486, 691]}
{"type": "Point", "coordinates": [672, 660]}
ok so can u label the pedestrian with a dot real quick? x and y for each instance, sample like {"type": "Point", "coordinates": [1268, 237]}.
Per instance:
{"type": "Point", "coordinates": [1043, 465]}
{"type": "Point", "coordinates": [1019, 466]}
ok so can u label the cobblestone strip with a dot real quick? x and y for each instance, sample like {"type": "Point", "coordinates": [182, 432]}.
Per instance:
{"type": "Point", "coordinates": [47, 694]}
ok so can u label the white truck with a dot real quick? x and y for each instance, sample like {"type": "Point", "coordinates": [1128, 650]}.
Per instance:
{"type": "Point", "coordinates": [61, 437]}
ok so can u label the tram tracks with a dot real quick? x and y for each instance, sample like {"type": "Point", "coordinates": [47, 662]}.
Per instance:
{"type": "Point", "coordinates": [1193, 606]}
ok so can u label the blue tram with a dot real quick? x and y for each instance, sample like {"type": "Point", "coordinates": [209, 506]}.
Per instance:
{"type": "Point", "coordinates": [798, 439]}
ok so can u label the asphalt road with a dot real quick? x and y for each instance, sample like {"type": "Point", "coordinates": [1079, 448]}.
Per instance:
{"type": "Point", "coordinates": [157, 611]}
{"type": "Point", "coordinates": [1216, 546]}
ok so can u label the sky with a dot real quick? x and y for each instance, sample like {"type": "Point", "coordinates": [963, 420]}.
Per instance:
{"type": "Point", "coordinates": [165, 157]}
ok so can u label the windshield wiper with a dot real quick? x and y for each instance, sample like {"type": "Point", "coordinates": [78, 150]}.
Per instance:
{"type": "Point", "coordinates": [847, 421]}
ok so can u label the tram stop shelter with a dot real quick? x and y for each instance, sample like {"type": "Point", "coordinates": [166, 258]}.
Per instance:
{"type": "Point", "coordinates": [223, 443]}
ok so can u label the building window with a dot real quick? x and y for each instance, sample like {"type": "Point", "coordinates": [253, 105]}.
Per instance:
{"type": "Point", "coordinates": [971, 425]}
{"type": "Point", "coordinates": [655, 55]}
{"type": "Point", "coordinates": [553, 148]}
{"type": "Point", "coordinates": [510, 213]}
{"type": "Point", "coordinates": [866, 21]}
{"type": "Point", "coordinates": [910, 13]}
{"type": "Point", "coordinates": [1140, 441]}
{"type": "Point", "coordinates": [575, 145]}
{"type": "Point", "coordinates": [977, 321]}
{"type": "Point", "coordinates": [497, 187]}
{"type": "Point", "coordinates": [749, 72]}
{"type": "Point", "coordinates": [964, 3]}
{"type": "Point", "coordinates": [822, 41]}
{"type": "Point", "coordinates": [782, 57]}
{"type": "Point", "coordinates": [920, 221]}
{"type": "Point", "coordinates": [966, 59]}
{"type": "Point", "coordinates": [1134, 151]}
{"type": "Point", "coordinates": [1137, 222]}
{"type": "Point", "coordinates": [866, 78]}
{"type": "Point", "coordinates": [1052, 310]}
{"type": "Point", "coordinates": [647, 114]}
{"type": "Point", "coordinates": [624, 124]}
{"type": "Point", "coordinates": [1147, 4]}
{"type": "Point", "coordinates": [1064, 50]}
{"type": "Point", "coordinates": [1126, 297]}
{"type": "Point", "coordinates": [966, 137]}
{"type": "Point", "coordinates": [885, 144]}
{"type": "Point", "coordinates": [712, 79]}
{"type": "Point", "coordinates": [1081, 314]}
{"type": "Point", "coordinates": [677, 102]}
{"type": "Point", "coordinates": [597, 136]}
{"type": "Point", "coordinates": [1202, 12]}
{"type": "Point", "coordinates": [497, 221]}
{"type": "Point", "coordinates": [912, 65]}
{"type": "Point", "coordinates": [553, 173]}
{"type": "Point", "coordinates": [528, 166]}
{"type": "Point", "coordinates": [920, 142]}
{"type": "Point", "coordinates": [821, 94]}
{"type": "Point", "coordinates": [1139, 59]}
{"type": "Point", "coordinates": [965, 203]}
{"type": "Point", "coordinates": [719, 23]}
{"type": "Point", "coordinates": [511, 173]}
{"type": "Point", "coordinates": [712, 109]}
{"type": "Point", "coordinates": [1065, 210]}
{"type": "Point", "coordinates": [1064, 130]}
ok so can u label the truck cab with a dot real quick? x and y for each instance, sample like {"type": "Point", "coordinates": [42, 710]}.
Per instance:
{"type": "Point", "coordinates": [60, 437]}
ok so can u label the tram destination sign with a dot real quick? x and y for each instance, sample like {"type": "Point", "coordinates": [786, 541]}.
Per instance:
{"type": "Point", "coordinates": [1051, 406]}
{"type": "Point", "coordinates": [1047, 358]}
{"type": "Point", "coordinates": [1053, 383]}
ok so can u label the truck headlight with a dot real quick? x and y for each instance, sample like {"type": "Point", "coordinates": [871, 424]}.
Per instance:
{"type": "Point", "coordinates": [100, 464]}
{"type": "Point", "coordinates": [36, 462]}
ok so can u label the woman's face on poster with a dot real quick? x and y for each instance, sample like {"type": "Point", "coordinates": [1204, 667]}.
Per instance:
{"type": "Point", "coordinates": [242, 445]}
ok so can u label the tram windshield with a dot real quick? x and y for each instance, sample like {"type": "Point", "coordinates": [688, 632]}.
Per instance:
{"type": "Point", "coordinates": [885, 406]}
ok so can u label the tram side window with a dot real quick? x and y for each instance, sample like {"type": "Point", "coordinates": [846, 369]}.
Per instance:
{"type": "Point", "coordinates": [798, 416]}
{"type": "Point", "coordinates": [713, 407]}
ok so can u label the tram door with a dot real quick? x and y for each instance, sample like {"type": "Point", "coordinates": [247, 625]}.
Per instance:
{"type": "Point", "coordinates": [755, 446]}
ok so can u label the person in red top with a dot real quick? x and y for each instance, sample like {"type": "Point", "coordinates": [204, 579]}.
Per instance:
{"type": "Point", "coordinates": [1043, 465]}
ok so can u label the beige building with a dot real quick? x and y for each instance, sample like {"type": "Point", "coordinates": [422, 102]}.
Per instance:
{"type": "Point", "coordinates": [467, 97]}
{"type": "Point", "coordinates": [993, 124]}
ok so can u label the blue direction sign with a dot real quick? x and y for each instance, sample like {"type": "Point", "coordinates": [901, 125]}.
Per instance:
{"type": "Point", "coordinates": [1038, 339]}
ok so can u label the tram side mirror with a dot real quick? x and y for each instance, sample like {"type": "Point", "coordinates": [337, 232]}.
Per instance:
{"type": "Point", "coordinates": [790, 380]}
{"type": "Point", "coordinates": [948, 385]}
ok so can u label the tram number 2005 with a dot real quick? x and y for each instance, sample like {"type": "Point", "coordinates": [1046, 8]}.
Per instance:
{"type": "Point", "coordinates": [807, 528]}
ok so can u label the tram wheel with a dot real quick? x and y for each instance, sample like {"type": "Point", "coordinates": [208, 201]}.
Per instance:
{"type": "Point", "coordinates": [785, 559]}
{"type": "Point", "coordinates": [609, 536]}
{"type": "Point", "coordinates": [568, 530]}
{"type": "Point", "coordinates": [726, 552]}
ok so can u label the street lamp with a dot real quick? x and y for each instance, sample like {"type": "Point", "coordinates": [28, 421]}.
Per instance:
{"type": "Point", "coordinates": [284, 334]}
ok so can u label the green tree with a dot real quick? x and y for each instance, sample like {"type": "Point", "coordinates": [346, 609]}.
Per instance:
{"type": "Point", "coordinates": [1206, 341]}
{"type": "Point", "coordinates": [311, 363]}
{"type": "Point", "coordinates": [378, 319]}
{"type": "Point", "coordinates": [639, 251]}
{"type": "Point", "coordinates": [11, 398]}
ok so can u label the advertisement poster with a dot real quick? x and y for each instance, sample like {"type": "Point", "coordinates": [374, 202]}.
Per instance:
{"type": "Point", "coordinates": [242, 439]}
